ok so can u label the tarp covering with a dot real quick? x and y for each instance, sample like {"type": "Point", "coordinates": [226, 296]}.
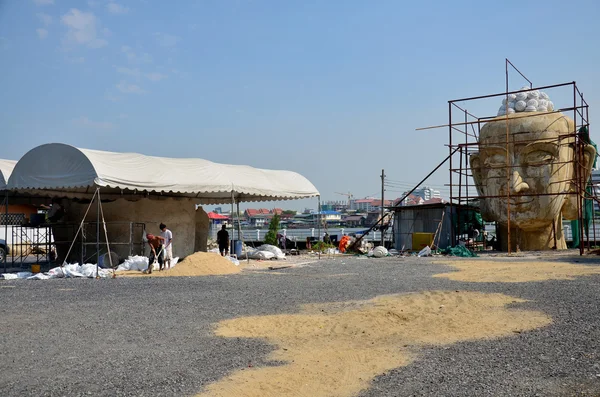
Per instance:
{"type": "Point", "coordinates": [6, 168]}
{"type": "Point", "coordinates": [55, 169]}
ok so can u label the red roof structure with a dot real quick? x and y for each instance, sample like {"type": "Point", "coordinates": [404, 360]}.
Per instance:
{"type": "Point", "coordinates": [250, 212]}
{"type": "Point", "coordinates": [215, 216]}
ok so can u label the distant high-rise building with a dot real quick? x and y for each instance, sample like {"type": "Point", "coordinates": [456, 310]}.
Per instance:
{"type": "Point", "coordinates": [427, 193]}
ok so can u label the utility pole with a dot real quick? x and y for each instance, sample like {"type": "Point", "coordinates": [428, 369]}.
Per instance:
{"type": "Point", "coordinates": [382, 205]}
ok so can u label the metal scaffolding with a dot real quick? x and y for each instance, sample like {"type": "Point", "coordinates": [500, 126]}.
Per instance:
{"type": "Point", "coordinates": [41, 244]}
{"type": "Point", "coordinates": [463, 140]}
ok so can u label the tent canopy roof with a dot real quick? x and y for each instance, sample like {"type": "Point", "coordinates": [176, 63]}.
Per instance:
{"type": "Point", "coordinates": [6, 168]}
{"type": "Point", "coordinates": [57, 169]}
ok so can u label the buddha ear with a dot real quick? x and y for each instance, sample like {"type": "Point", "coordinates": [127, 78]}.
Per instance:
{"type": "Point", "coordinates": [569, 210]}
{"type": "Point", "coordinates": [589, 155]}
{"type": "Point", "coordinates": [476, 170]}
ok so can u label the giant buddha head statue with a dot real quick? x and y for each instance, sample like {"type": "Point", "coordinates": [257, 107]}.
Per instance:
{"type": "Point", "coordinates": [537, 170]}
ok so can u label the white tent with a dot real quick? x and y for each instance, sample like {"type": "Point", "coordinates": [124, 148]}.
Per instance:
{"type": "Point", "coordinates": [6, 168]}
{"type": "Point", "coordinates": [57, 169]}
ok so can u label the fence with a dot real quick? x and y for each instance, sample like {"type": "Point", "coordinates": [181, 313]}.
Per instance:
{"type": "Point", "coordinates": [12, 219]}
{"type": "Point", "coordinates": [254, 235]}
{"type": "Point", "coordinates": [48, 244]}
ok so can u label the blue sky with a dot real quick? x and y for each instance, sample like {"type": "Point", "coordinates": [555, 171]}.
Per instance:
{"type": "Point", "coordinates": [331, 89]}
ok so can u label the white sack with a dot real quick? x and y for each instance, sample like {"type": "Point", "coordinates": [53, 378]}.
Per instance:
{"type": "Point", "coordinates": [271, 248]}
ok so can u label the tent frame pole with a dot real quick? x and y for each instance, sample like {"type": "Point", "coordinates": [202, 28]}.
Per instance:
{"type": "Point", "coordinates": [5, 229]}
{"type": "Point", "coordinates": [232, 243]}
{"type": "Point", "coordinates": [319, 221]}
{"type": "Point", "coordinates": [97, 233]}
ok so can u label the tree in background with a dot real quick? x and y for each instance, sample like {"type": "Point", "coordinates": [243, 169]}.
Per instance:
{"type": "Point", "coordinates": [271, 237]}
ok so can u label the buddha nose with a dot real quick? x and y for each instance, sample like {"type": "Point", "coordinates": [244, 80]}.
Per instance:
{"type": "Point", "coordinates": [517, 184]}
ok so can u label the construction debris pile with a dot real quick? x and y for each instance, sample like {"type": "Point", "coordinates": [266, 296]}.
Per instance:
{"type": "Point", "coordinates": [526, 100]}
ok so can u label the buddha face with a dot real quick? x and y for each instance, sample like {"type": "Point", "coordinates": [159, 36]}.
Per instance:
{"type": "Point", "coordinates": [541, 172]}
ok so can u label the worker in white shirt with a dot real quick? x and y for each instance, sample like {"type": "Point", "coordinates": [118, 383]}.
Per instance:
{"type": "Point", "coordinates": [168, 244]}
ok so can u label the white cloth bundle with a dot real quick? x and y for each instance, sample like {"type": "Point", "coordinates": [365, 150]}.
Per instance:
{"type": "Point", "coordinates": [526, 100]}
{"type": "Point", "coordinates": [521, 96]}
{"type": "Point", "coordinates": [520, 106]}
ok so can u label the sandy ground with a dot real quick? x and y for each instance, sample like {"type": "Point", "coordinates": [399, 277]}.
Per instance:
{"type": "Point", "coordinates": [198, 264]}
{"type": "Point", "coordinates": [211, 264]}
{"type": "Point", "coordinates": [348, 326]}
{"type": "Point", "coordinates": [503, 270]}
{"type": "Point", "coordinates": [337, 349]}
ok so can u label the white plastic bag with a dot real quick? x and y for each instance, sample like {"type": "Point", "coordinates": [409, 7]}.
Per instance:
{"type": "Point", "coordinates": [425, 252]}
{"type": "Point", "coordinates": [380, 252]}
{"type": "Point", "coordinates": [38, 276]}
{"type": "Point", "coordinates": [520, 105]}
{"type": "Point", "coordinates": [56, 272]}
{"type": "Point", "coordinates": [271, 248]}
{"type": "Point", "coordinates": [265, 255]}
{"type": "Point", "coordinates": [232, 260]}
{"type": "Point", "coordinates": [136, 262]}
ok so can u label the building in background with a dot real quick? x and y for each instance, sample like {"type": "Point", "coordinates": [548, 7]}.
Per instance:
{"type": "Point", "coordinates": [358, 220]}
{"type": "Point", "coordinates": [368, 204]}
{"type": "Point", "coordinates": [427, 193]}
{"type": "Point", "coordinates": [410, 200]}
{"type": "Point", "coordinates": [339, 206]}
{"type": "Point", "coordinates": [331, 216]}
{"type": "Point", "coordinates": [217, 219]}
{"type": "Point", "coordinates": [257, 217]}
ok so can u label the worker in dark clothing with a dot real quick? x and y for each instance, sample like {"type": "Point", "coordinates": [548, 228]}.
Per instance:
{"type": "Point", "coordinates": [156, 251]}
{"type": "Point", "coordinates": [223, 241]}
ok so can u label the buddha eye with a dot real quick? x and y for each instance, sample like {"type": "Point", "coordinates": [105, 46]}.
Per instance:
{"type": "Point", "coordinates": [539, 157]}
{"type": "Point", "coordinates": [495, 161]}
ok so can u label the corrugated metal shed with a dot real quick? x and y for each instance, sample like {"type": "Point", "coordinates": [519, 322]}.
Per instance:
{"type": "Point", "coordinates": [424, 218]}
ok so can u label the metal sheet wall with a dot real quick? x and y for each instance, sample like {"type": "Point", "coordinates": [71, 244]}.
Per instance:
{"type": "Point", "coordinates": [422, 220]}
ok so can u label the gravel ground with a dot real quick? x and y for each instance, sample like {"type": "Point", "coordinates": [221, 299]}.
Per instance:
{"type": "Point", "coordinates": [152, 336]}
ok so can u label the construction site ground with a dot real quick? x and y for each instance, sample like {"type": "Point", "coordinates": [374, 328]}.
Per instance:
{"type": "Point", "coordinates": [496, 325]}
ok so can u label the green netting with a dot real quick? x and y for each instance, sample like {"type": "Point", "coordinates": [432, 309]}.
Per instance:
{"type": "Point", "coordinates": [467, 220]}
{"type": "Point", "coordinates": [459, 250]}
{"type": "Point", "coordinates": [588, 204]}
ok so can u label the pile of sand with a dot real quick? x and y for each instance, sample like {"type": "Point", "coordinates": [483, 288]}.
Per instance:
{"type": "Point", "coordinates": [198, 264]}
{"type": "Point", "coordinates": [336, 349]}
{"type": "Point", "coordinates": [511, 271]}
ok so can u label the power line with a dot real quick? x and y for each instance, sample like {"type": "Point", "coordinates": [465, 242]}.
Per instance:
{"type": "Point", "coordinates": [409, 183]}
